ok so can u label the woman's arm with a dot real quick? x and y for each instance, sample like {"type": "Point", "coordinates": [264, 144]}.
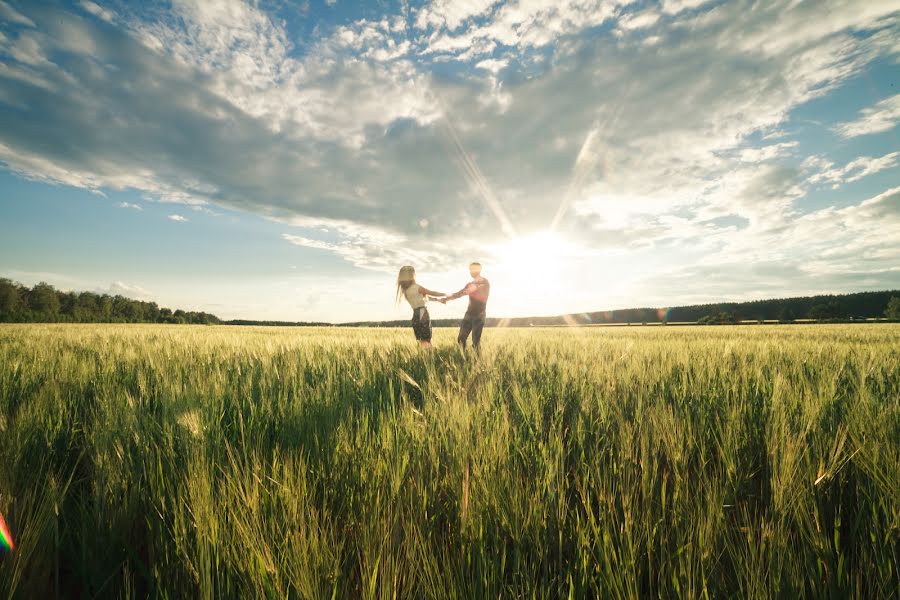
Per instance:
{"type": "Point", "coordinates": [426, 292]}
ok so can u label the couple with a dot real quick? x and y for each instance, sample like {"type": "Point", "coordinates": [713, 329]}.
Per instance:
{"type": "Point", "coordinates": [473, 322]}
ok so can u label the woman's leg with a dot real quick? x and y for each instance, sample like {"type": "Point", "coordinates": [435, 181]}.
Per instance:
{"type": "Point", "coordinates": [422, 327]}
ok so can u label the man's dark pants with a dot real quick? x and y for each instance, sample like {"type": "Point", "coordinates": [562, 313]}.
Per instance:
{"type": "Point", "coordinates": [471, 323]}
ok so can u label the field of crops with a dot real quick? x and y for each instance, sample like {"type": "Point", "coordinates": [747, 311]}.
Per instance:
{"type": "Point", "coordinates": [213, 462]}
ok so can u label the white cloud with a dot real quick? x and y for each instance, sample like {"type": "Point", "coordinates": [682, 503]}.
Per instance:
{"type": "Point", "coordinates": [854, 170]}
{"type": "Point", "coordinates": [639, 20]}
{"type": "Point", "coordinates": [98, 11]}
{"type": "Point", "coordinates": [326, 94]}
{"type": "Point", "coordinates": [451, 13]}
{"type": "Point", "coordinates": [177, 218]}
{"type": "Point", "coordinates": [677, 6]}
{"type": "Point", "coordinates": [765, 153]}
{"type": "Point", "coordinates": [524, 24]}
{"type": "Point", "coordinates": [120, 288]}
{"type": "Point", "coordinates": [826, 250]}
{"type": "Point", "coordinates": [29, 51]}
{"type": "Point", "coordinates": [368, 247]}
{"type": "Point", "coordinates": [874, 119]}
{"type": "Point", "coordinates": [130, 205]}
{"type": "Point", "coordinates": [306, 242]}
{"type": "Point", "coordinates": [493, 65]}
{"type": "Point", "coordinates": [13, 16]}
{"type": "Point", "coordinates": [29, 278]}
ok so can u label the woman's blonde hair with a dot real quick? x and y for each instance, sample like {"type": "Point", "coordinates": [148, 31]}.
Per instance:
{"type": "Point", "coordinates": [405, 278]}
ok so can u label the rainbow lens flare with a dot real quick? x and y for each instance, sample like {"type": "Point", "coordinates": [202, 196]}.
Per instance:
{"type": "Point", "coordinates": [6, 540]}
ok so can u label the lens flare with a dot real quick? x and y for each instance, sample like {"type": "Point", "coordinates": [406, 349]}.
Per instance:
{"type": "Point", "coordinates": [6, 540]}
{"type": "Point", "coordinates": [590, 157]}
{"type": "Point", "coordinates": [570, 321]}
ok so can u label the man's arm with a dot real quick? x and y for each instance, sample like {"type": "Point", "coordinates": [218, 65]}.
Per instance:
{"type": "Point", "coordinates": [470, 287]}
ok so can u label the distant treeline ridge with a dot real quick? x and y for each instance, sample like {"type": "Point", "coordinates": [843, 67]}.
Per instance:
{"type": "Point", "coordinates": [840, 307]}
{"type": "Point", "coordinates": [45, 304]}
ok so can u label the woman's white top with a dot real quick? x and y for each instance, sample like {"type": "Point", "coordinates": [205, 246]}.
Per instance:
{"type": "Point", "coordinates": [414, 296]}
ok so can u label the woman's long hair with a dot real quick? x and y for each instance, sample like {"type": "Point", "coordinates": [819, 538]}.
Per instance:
{"type": "Point", "coordinates": [405, 278]}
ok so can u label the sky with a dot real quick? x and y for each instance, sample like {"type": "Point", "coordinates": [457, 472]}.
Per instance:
{"type": "Point", "coordinates": [282, 159]}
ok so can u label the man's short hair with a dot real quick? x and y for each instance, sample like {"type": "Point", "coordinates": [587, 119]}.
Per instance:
{"type": "Point", "coordinates": [475, 264]}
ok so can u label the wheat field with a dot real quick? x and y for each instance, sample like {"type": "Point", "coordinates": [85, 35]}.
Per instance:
{"type": "Point", "coordinates": [630, 462]}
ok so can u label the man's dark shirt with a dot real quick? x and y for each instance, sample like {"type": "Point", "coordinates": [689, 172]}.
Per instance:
{"type": "Point", "coordinates": [478, 291]}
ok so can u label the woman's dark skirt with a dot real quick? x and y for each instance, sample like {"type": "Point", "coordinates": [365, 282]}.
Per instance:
{"type": "Point", "coordinates": [421, 324]}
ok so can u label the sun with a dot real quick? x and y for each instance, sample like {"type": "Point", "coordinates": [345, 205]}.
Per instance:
{"type": "Point", "coordinates": [529, 270]}
{"type": "Point", "coordinates": [531, 253]}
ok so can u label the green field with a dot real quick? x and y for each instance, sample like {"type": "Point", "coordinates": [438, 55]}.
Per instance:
{"type": "Point", "coordinates": [181, 462]}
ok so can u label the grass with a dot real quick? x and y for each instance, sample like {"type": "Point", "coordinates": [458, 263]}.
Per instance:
{"type": "Point", "coordinates": [212, 462]}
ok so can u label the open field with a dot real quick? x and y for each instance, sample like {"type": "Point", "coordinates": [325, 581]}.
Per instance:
{"type": "Point", "coordinates": [181, 461]}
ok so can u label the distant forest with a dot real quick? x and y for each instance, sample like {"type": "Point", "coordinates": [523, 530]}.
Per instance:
{"type": "Point", "coordinates": [45, 304]}
{"type": "Point", "coordinates": [842, 307]}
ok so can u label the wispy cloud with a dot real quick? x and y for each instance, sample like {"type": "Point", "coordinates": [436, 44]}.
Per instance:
{"type": "Point", "coordinates": [178, 218]}
{"type": "Point", "coordinates": [97, 10]}
{"type": "Point", "coordinates": [854, 170]}
{"type": "Point", "coordinates": [766, 153]}
{"type": "Point", "coordinates": [12, 15]}
{"type": "Point", "coordinates": [130, 205]}
{"type": "Point", "coordinates": [677, 6]}
{"type": "Point", "coordinates": [639, 20]}
{"type": "Point", "coordinates": [120, 288]}
{"type": "Point", "coordinates": [364, 249]}
{"type": "Point", "coordinates": [884, 116]}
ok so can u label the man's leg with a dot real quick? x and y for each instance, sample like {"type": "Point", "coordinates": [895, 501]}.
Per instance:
{"type": "Point", "coordinates": [477, 327]}
{"type": "Point", "coordinates": [464, 328]}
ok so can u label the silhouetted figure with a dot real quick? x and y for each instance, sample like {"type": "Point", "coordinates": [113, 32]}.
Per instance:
{"type": "Point", "coordinates": [416, 295]}
{"type": "Point", "coordinates": [478, 291]}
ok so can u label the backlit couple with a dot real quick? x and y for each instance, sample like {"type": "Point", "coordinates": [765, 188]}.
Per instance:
{"type": "Point", "coordinates": [477, 290]}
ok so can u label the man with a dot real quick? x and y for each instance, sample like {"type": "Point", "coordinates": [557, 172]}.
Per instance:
{"type": "Point", "coordinates": [478, 291]}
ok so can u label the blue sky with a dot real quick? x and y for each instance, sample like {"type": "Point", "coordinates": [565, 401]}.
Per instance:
{"type": "Point", "coordinates": [282, 159]}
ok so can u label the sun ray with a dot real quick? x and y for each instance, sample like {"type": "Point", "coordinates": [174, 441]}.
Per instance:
{"type": "Point", "coordinates": [474, 174]}
{"type": "Point", "coordinates": [588, 157]}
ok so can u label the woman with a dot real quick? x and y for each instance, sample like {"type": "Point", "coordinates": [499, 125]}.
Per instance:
{"type": "Point", "coordinates": [416, 295]}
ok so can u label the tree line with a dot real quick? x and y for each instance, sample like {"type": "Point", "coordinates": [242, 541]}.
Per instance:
{"type": "Point", "coordinates": [45, 304]}
{"type": "Point", "coordinates": [831, 307]}
{"type": "Point", "coordinates": [844, 307]}
{"type": "Point", "coordinates": [828, 307]}
{"type": "Point", "coordinates": [277, 323]}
